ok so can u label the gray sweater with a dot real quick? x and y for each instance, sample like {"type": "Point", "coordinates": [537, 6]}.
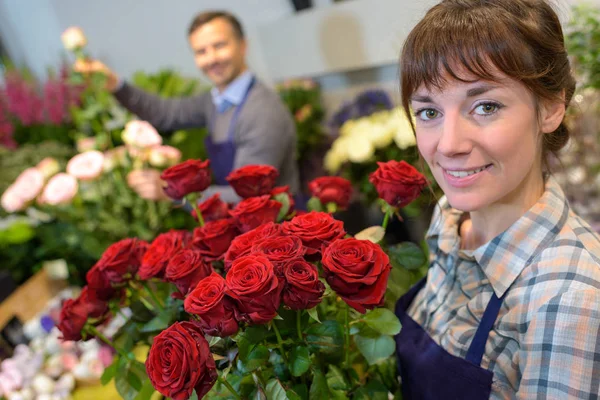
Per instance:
{"type": "Point", "coordinates": [265, 132]}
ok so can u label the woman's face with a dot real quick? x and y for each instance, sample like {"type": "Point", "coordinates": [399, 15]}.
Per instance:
{"type": "Point", "coordinates": [482, 141]}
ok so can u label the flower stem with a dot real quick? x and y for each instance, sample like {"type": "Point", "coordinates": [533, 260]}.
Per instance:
{"type": "Point", "coordinates": [279, 342]}
{"type": "Point", "coordinates": [198, 213]}
{"type": "Point", "coordinates": [92, 330]}
{"type": "Point", "coordinates": [153, 296]}
{"type": "Point", "coordinates": [299, 324]}
{"type": "Point", "coordinates": [386, 219]}
{"type": "Point", "coordinates": [347, 336]}
{"type": "Point", "coordinates": [229, 387]}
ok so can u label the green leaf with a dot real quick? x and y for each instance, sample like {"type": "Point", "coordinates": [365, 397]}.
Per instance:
{"type": "Point", "coordinates": [292, 395]}
{"type": "Point", "coordinates": [275, 391]}
{"type": "Point", "coordinates": [301, 390]}
{"type": "Point", "coordinates": [407, 255]}
{"type": "Point", "coordinates": [257, 358]}
{"type": "Point", "coordinates": [375, 349]}
{"type": "Point", "coordinates": [338, 395]}
{"type": "Point", "coordinates": [318, 388]}
{"type": "Point", "coordinates": [284, 199]}
{"type": "Point", "coordinates": [147, 391]}
{"type": "Point", "coordinates": [110, 371]}
{"type": "Point", "coordinates": [327, 337]}
{"type": "Point", "coordinates": [373, 390]}
{"type": "Point", "coordinates": [383, 321]}
{"type": "Point", "coordinates": [128, 379]}
{"type": "Point", "coordinates": [314, 204]}
{"type": "Point", "coordinates": [336, 380]}
{"type": "Point", "coordinates": [162, 321]}
{"type": "Point", "coordinates": [299, 360]}
{"type": "Point", "coordinates": [314, 314]}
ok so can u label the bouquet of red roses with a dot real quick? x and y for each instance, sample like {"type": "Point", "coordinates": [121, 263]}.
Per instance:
{"type": "Point", "coordinates": [259, 301]}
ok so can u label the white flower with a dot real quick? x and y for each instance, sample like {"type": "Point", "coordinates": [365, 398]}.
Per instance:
{"type": "Point", "coordinates": [164, 156]}
{"type": "Point", "coordinates": [73, 38]}
{"type": "Point", "coordinates": [404, 135]}
{"type": "Point", "coordinates": [360, 149]}
{"type": "Point", "coordinates": [141, 134]}
{"type": "Point", "coordinates": [60, 189]}
{"type": "Point", "coordinates": [86, 166]}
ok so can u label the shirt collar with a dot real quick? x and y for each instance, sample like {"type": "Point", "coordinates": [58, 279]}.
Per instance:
{"type": "Point", "coordinates": [504, 257]}
{"type": "Point", "coordinates": [234, 93]}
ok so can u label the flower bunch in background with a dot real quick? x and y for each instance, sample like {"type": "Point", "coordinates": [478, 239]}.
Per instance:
{"type": "Point", "coordinates": [92, 193]}
{"type": "Point", "coordinates": [363, 105]}
{"type": "Point", "coordinates": [258, 301]}
{"type": "Point", "coordinates": [303, 99]}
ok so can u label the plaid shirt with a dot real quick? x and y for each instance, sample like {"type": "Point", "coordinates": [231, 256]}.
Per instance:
{"type": "Point", "coordinates": [545, 342]}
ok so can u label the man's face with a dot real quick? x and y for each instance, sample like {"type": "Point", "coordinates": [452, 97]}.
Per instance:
{"type": "Point", "coordinates": [218, 52]}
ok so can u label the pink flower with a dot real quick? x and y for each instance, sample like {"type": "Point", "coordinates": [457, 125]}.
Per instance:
{"type": "Point", "coordinates": [86, 144]}
{"type": "Point", "coordinates": [48, 167]}
{"type": "Point", "coordinates": [10, 201]}
{"type": "Point", "coordinates": [26, 187]}
{"type": "Point", "coordinates": [164, 156]}
{"type": "Point", "coordinates": [86, 166]}
{"type": "Point", "coordinates": [141, 134]}
{"type": "Point", "coordinates": [60, 189]}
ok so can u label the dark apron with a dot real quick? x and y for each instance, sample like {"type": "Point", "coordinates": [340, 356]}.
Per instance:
{"type": "Point", "coordinates": [430, 372]}
{"type": "Point", "coordinates": [222, 154]}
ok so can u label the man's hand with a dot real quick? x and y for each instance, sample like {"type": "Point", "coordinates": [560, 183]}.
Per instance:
{"type": "Point", "coordinates": [147, 184]}
{"type": "Point", "coordinates": [88, 67]}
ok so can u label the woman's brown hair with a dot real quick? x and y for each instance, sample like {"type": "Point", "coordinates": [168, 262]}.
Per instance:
{"type": "Point", "coordinates": [523, 39]}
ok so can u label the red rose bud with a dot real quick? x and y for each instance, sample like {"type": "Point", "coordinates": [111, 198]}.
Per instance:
{"type": "Point", "coordinates": [73, 316]}
{"type": "Point", "coordinates": [303, 289]}
{"type": "Point", "coordinates": [99, 285]}
{"type": "Point", "coordinates": [180, 361]}
{"type": "Point", "coordinates": [162, 249]}
{"type": "Point", "coordinates": [315, 229]}
{"type": "Point", "coordinates": [255, 211]}
{"type": "Point", "coordinates": [188, 177]}
{"type": "Point", "coordinates": [357, 270]}
{"type": "Point", "coordinates": [332, 189]}
{"type": "Point", "coordinates": [122, 259]}
{"type": "Point", "coordinates": [185, 269]}
{"type": "Point", "coordinates": [213, 209]}
{"type": "Point", "coordinates": [215, 310]}
{"type": "Point", "coordinates": [242, 244]}
{"type": "Point", "coordinates": [213, 239]}
{"type": "Point", "coordinates": [398, 183]}
{"type": "Point", "coordinates": [279, 250]}
{"type": "Point", "coordinates": [253, 180]}
{"type": "Point", "coordinates": [284, 189]}
{"type": "Point", "coordinates": [253, 286]}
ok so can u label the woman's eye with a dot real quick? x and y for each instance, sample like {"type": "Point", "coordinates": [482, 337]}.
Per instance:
{"type": "Point", "coordinates": [486, 109]}
{"type": "Point", "coordinates": [427, 114]}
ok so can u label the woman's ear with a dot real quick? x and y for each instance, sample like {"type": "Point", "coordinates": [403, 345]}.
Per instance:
{"type": "Point", "coordinates": [552, 114]}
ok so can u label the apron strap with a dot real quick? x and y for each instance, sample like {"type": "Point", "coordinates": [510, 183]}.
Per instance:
{"type": "Point", "coordinates": [477, 348]}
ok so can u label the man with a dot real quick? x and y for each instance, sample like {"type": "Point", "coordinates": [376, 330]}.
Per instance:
{"type": "Point", "coordinates": [247, 122]}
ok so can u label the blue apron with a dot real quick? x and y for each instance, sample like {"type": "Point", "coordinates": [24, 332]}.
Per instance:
{"type": "Point", "coordinates": [430, 372]}
{"type": "Point", "coordinates": [222, 155]}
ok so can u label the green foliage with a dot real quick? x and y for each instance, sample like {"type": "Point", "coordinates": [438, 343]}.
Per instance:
{"type": "Point", "coordinates": [583, 44]}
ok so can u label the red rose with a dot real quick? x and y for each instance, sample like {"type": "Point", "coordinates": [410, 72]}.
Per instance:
{"type": "Point", "coordinates": [331, 189]}
{"type": "Point", "coordinates": [242, 244]}
{"type": "Point", "coordinates": [357, 270]}
{"type": "Point", "coordinates": [188, 177]}
{"type": "Point", "coordinates": [215, 310]}
{"type": "Point", "coordinates": [284, 189]}
{"type": "Point", "coordinates": [398, 183]}
{"type": "Point", "coordinates": [162, 249]}
{"type": "Point", "coordinates": [121, 260]}
{"type": "Point", "coordinates": [253, 286]}
{"type": "Point", "coordinates": [303, 289]}
{"type": "Point", "coordinates": [279, 250]}
{"type": "Point", "coordinates": [185, 269]}
{"type": "Point", "coordinates": [213, 209]}
{"type": "Point", "coordinates": [255, 211]}
{"type": "Point", "coordinates": [99, 285]}
{"type": "Point", "coordinates": [253, 180]}
{"type": "Point", "coordinates": [96, 308]}
{"type": "Point", "coordinates": [315, 229]}
{"type": "Point", "coordinates": [213, 239]}
{"type": "Point", "coordinates": [180, 361]}
{"type": "Point", "coordinates": [73, 317]}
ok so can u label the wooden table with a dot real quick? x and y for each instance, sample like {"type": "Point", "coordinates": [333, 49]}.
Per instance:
{"type": "Point", "coordinates": [30, 298]}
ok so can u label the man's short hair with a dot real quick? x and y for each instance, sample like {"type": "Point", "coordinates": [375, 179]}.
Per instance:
{"type": "Point", "coordinates": [207, 16]}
